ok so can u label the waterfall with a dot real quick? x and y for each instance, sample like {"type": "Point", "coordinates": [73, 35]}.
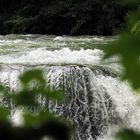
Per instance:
{"type": "Point", "coordinates": [89, 102]}
{"type": "Point", "coordinates": [96, 101]}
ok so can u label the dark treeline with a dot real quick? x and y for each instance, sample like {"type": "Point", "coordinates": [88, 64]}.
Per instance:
{"type": "Point", "coordinates": [69, 17]}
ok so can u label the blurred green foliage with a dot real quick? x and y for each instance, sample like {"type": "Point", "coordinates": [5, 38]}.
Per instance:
{"type": "Point", "coordinates": [39, 122]}
{"type": "Point", "coordinates": [127, 47]}
{"type": "Point", "coordinates": [128, 134]}
{"type": "Point", "coordinates": [136, 28]}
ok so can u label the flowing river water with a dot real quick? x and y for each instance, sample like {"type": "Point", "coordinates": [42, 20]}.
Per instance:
{"type": "Point", "coordinates": [98, 102]}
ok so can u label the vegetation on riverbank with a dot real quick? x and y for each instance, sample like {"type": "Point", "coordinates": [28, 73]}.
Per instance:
{"type": "Point", "coordinates": [59, 17]}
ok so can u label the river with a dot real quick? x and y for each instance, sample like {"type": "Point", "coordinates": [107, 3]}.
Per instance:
{"type": "Point", "coordinates": [99, 103]}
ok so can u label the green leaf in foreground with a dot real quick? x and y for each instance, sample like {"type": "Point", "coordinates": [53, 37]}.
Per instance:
{"type": "Point", "coordinates": [25, 98]}
{"type": "Point", "coordinates": [136, 28]}
{"type": "Point", "coordinates": [56, 95]}
{"type": "Point", "coordinates": [33, 75]}
{"type": "Point", "coordinates": [38, 118]}
{"type": "Point", "coordinates": [128, 134]}
{"type": "Point", "coordinates": [127, 47]}
{"type": "Point", "coordinates": [4, 114]}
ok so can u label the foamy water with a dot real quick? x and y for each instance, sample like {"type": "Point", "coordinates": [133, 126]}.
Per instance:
{"type": "Point", "coordinates": [53, 57]}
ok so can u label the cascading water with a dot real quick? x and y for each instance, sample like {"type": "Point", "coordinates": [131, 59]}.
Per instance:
{"type": "Point", "coordinates": [96, 102]}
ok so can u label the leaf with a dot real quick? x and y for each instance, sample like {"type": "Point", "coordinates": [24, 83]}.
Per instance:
{"type": "Point", "coordinates": [4, 90]}
{"type": "Point", "coordinates": [127, 134]}
{"type": "Point", "coordinates": [127, 47]}
{"type": "Point", "coordinates": [30, 75]}
{"type": "Point", "coordinates": [133, 18]}
{"type": "Point", "coordinates": [136, 28]}
{"type": "Point", "coordinates": [4, 114]}
{"type": "Point", "coordinates": [26, 98]}
{"type": "Point", "coordinates": [56, 95]}
{"type": "Point", "coordinates": [38, 119]}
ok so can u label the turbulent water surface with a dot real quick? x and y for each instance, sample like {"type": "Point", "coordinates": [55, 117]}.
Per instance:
{"type": "Point", "coordinates": [97, 103]}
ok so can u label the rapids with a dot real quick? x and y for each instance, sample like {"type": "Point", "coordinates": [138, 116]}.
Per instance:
{"type": "Point", "coordinates": [96, 101]}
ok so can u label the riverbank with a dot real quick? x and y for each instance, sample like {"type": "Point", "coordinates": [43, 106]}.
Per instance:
{"type": "Point", "coordinates": [58, 17]}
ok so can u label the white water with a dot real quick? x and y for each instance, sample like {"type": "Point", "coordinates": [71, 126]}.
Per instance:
{"type": "Point", "coordinates": [62, 56]}
{"type": "Point", "coordinates": [54, 57]}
